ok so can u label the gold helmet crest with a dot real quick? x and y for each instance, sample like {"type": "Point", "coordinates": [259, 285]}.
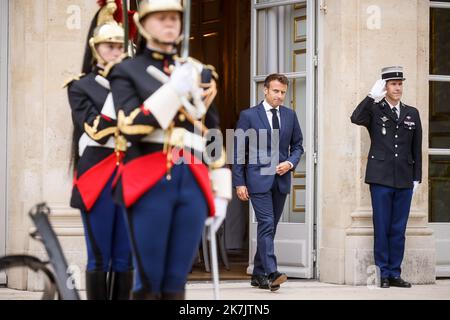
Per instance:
{"type": "Point", "coordinates": [107, 30]}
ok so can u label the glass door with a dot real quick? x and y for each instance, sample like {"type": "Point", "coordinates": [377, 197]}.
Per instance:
{"type": "Point", "coordinates": [439, 141]}
{"type": "Point", "coordinates": [283, 41]}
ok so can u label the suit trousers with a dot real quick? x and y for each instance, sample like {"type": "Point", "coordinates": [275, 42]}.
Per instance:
{"type": "Point", "coordinates": [268, 207]}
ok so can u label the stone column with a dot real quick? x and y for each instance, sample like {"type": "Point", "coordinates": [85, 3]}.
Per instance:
{"type": "Point", "coordinates": [47, 44]}
{"type": "Point", "coordinates": [358, 38]}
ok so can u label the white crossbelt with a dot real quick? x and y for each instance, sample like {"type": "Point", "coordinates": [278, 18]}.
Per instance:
{"type": "Point", "coordinates": [107, 110]}
{"type": "Point", "coordinates": [85, 141]}
{"type": "Point", "coordinates": [108, 107]}
{"type": "Point", "coordinates": [180, 138]}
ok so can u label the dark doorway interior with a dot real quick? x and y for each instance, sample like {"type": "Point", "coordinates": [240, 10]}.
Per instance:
{"type": "Point", "coordinates": [221, 37]}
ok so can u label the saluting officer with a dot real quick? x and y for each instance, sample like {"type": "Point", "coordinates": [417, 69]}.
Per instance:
{"type": "Point", "coordinates": [394, 168]}
{"type": "Point", "coordinates": [109, 272]}
{"type": "Point", "coordinates": [167, 200]}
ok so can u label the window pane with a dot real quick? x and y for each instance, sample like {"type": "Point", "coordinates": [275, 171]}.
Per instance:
{"type": "Point", "coordinates": [281, 39]}
{"type": "Point", "coordinates": [297, 197]}
{"type": "Point", "coordinates": [440, 115]}
{"type": "Point", "coordinates": [439, 189]}
{"type": "Point", "coordinates": [260, 92]}
{"type": "Point", "coordinates": [440, 41]}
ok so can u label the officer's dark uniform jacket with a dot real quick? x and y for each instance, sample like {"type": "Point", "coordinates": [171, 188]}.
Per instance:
{"type": "Point", "coordinates": [98, 161]}
{"type": "Point", "coordinates": [395, 156]}
{"type": "Point", "coordinates": [145, 163]}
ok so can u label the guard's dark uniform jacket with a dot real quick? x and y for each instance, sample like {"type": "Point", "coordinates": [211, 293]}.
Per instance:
{"type": "Point", "coordinates": [395, 156]}
{"type": "Point", "coordinates": [97, 163]}
{"type": "Point", "coordinates": [145, 163]}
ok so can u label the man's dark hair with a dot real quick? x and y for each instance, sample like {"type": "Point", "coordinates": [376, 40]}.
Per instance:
{"type": "Point", "coordinates": [276, 77]}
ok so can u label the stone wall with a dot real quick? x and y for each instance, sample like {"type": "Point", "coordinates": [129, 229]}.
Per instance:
{"type": "Point", "coordinates": [47, 45]}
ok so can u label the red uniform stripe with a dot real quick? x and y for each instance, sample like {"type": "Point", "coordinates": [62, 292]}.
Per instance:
{"type": "Point", "coordinates": [141, 174]}
{"type": "Point", "coordinates": [92, 182]}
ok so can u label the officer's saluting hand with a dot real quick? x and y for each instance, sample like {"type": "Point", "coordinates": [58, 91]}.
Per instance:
{"type": "Point", "coordinates": [378, 91]}
{"type": "Point", "coordinates": [394, 168]}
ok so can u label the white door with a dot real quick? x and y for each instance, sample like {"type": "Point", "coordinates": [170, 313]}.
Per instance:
{"type": "Point", "coordinates": [439, 142]}
{"type": "Point", "coordinates": [283, 41]}
{"type": "Point", "coordinates": [3, 124]}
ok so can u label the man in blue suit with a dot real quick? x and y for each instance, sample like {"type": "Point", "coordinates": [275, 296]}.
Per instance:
{"type": "Point", "coordinates": [268, 145]}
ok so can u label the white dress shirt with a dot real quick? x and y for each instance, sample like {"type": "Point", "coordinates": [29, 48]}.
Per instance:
{"type": "Point", "coordinates": [269, 115]}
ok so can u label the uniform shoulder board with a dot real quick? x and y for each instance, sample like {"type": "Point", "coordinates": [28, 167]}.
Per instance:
{"type": "Point", "coordinates": [70, 80]}
{"type": "Point", "coordinates": [111, 65]}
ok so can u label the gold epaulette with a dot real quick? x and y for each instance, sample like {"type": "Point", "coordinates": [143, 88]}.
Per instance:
{"type": "Point", "coordinates": [70, 80]}
{"type": "Point", "coordinates": [111, 65]}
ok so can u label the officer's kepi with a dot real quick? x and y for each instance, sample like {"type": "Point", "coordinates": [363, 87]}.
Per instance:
{"type": "Point", "coordinates": [392, 73]}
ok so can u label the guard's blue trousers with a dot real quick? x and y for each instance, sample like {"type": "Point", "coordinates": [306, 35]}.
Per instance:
{"type": "Point", "coordinates": [166, 226]}
{"type": "Point", "coordinates": [390, 215]}
{"type": "Point", "coordinates": [106, 233]}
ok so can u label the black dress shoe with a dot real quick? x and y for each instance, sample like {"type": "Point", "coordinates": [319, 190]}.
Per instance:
{"type": "Point", "coordinates": [276, 279]}
{"type": "Point", "coordinates": [260, 281]}
{"type": "Point", "coordinates": [255, 281]}
{"type": "Point", "coordinates": [399, 282]}
{"type": "Point", "coordinates": [384, 283]}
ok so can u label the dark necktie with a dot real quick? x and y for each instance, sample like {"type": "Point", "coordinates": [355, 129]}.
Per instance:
{"type": "Point", "coordinates": [394, 110]}
{"type": "Point", "coordinates": [275, 122]}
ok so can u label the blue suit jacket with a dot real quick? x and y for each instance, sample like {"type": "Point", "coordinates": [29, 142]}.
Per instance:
{"type": "Point", "coordinates": [290, 149]}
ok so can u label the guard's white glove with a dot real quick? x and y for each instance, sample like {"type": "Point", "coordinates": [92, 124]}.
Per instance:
{"type": "Point", "coordinates": [416, 185]}
{"type": "Point", "coordinates": [215, 222]}
{"type": "Point", "coordinates": [183, 79]}
{"type": "Point", "coordinates": [221, 205]}
{"type": "Point", "coordinates": [200, 109]}
{"type": "Point", "coordinates": [378, 90]}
